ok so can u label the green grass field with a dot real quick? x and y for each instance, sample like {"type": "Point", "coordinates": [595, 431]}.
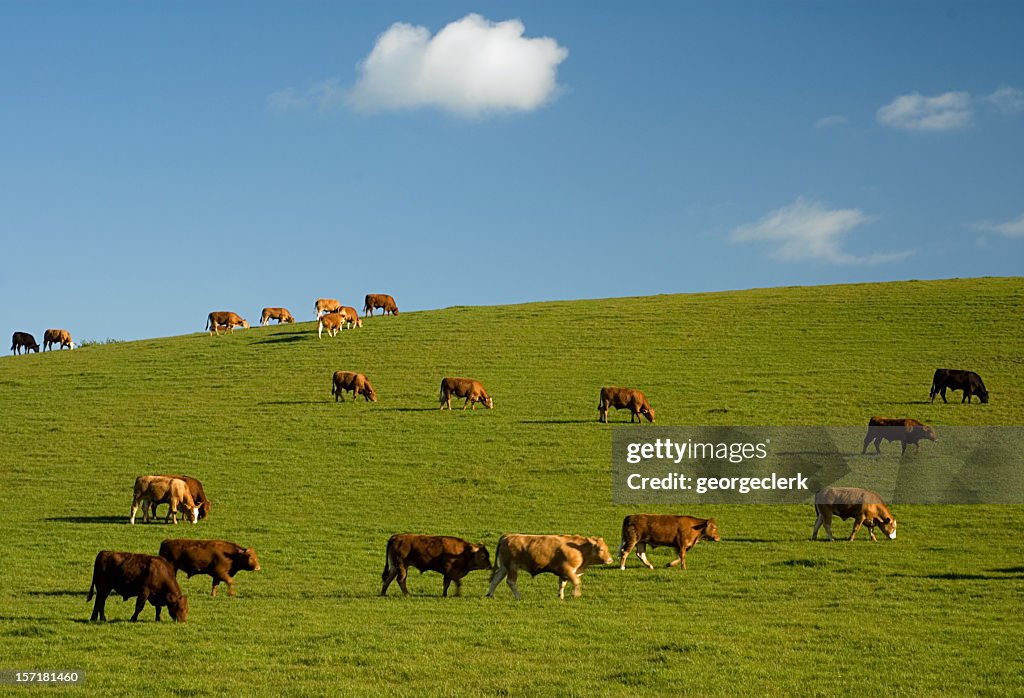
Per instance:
{"type": "Point", "coordinates": [318, 487]}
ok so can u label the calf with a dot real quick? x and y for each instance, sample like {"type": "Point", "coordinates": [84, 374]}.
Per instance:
{"type": "Point", "coordinates": [195, 488]}
{"type": "Point", "coordinates": [564, 556]}
{"type": "Point", "coordinates": [157, 489]}
{"type": "Point", "coordinates": [656, 530]}
{"type": "Point", "coordinates": [23, 341]}
{"type": "Point", "coordinates": [355, 383]}
{"type": "Point", "coordinates": [332, 322]}
{"type": "Point", "coordinates": [219, 319]}
{"type": "Point", "coordinates": [379, 300]}
{"type": "Point", "coordinates": [62, 338]}
{"type": "Point", "coordinates": [221, 559]}
{"type": "Point", "coordinates": [326, 305]}
{"type": "Point", "coordinates": [452, 557]}
{"type": "Point", "coordinates": [863, 506]}
{"type": "Point", "coordinates": [906, 431]}
{"type": "Point", "coordinates": [146, 577]}
{"type": "Point", "coordinates": [953, 379]}
{"type": "Point", "coordinates": [280, 314]}
{"type": "Point", "coordinates": [468, 388]}
{"type": "Point", "coordinates": [352, 319]}
{"type": "Point", "coordinates": [627, 398]}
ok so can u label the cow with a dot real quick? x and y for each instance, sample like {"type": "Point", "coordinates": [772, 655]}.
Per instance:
{"type": "Point", "coordinates": [904, 430]}
{"type": "Point", "coordinates": [954, 379]}
{"type": "Point", "coordinates": [23, 340]}
{"type": "Point", "coordinates": [146, 577]}
{"type": "Point", "coordinates": [379, 300]}
{"type": "Point", "coordinates": [621, 398]}
{"type": "Point", "coordinates": [280, 314]}
{"type": "Point", "coordinates": [332, 322]}
{"type": "Point", "coordinates": [468, 388]}
{"type": "Point", "coordinates": [352, 318]}
{"type": "Point", "coordinates": [658, 530]}
{"type": "Point", "coordinates": [326, 305]}
{"type": "Point", "coordinates": [221, 559]}
{"type": "Point", "coordinates": [564, 556]}
{"type": "Point", "coordinates": [150, 489]}
{"type": "Point", "coordinates": [195, 488]}
{"type": "Point", "coordinates": [62, 338]}
{"type": "Point", "coordinates": [218, 319]}
{"type": "Point", "coordinates": [355, 383]}
{"type": "Point", "coordinates": [453, 557]}
{"type": "Point", "coordinates": [863, 506]}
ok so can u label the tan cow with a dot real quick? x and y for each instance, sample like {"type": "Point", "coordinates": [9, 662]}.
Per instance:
{"type": "Point", "coordinates": [564, 556]}
{"type": "Point", "coordinates": [621, 398]}
{"type": "Point", "coordinates": [352, 319]}
{"type": "Point", "coordinates": [468, 388]}
{"type": "Point", "coordinates": [355, 383]}
{"type": "Point", "coordinates": [657, 530]}
{"type": "Point", "coordinates": [326, 305]}
{"type": "Point", "coordinates": [219, 319]}
{"type": "Point", "coordinates": [863, 506]}
{"type": "Point", "coordinates": [62, 338]}
{"type": "Point", "coordinates": [280, 314]}
{"type": "Point", "coordinates": [332, 322]}
{"type": "Point", "coordinates": [157, 489]}
{"type": "Point", "coordinates": [379, 300]}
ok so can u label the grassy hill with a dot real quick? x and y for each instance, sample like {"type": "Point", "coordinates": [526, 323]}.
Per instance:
{"type": "Point", "coordinates": [317, 487]}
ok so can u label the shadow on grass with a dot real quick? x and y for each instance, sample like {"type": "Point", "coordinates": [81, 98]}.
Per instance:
{"type": "Point", "coordinates": [282, 340]}
{"type": "Point", "coordinates": [408, 409]}
{"type": "Point", "coordinates": [1009, 570]}
{"type": "Point", "coordinates": [89, 519]}
{"type": "Point", "coordinates": [59, 592]}
{"type": "Point", "coordinates": [965, 576]}
{"type": "Point", "coordinates": [749, 540]}
{"type": "Point", "coordinates": [295, 402]}
{"type": "Point", "coordinates": [558, 421]}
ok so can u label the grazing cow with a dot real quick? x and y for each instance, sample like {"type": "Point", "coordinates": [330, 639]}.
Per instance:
{"type": "Point", "coordinates": [218, 319]}
{"type": "Point", "coordinates": [863, 506]}
{"type": "Point", "coordinates": [452, 557]}
{"type": "Point", "coordinates": [62, 338]}
{"type": "Point", "coordinates": [564, 556]}
{"type": "Point", "coordinates": [157, 489]}
{"type": "Point", "coordinates": [621, 398]}
{"type": "Point", "coordinates": [280, 314]}
{"type": "Point", "coordinates": [146, 577]}
{"type": "Point", "coordinates": [657, 530]}
{"type": "Point", "coordinates": [221, 559]}
{"type": "Point", "coordinates": [195, 488]}
{"type": "Point", "coordinates": [379, 300]}
{"type": "Point", "coordinates": [906, 431]}
{"type": "Point", "coordinates": [23, 340]}
{"type": "Point", "coordinates": [355, 383]}
{"type": "Point", "coordinates": [954, 379]}
{"type": "Point", "coordinates": [352, 318]}
{"type": "Point", "coordinates": [326, 305]}
{"type": "Point", "coordinates": [468, 388]}
{"type": "Point", "coordinates": [332, 322]}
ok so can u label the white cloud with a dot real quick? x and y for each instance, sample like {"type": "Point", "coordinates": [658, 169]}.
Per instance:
{"type": "Point", "coordinates": [832, 120]}
{"type": "Point", "coordinates": [470, 67]}
{"type": "Point", "coordinates": [807, 230]}
{"type": "Point", "coordinates": [1007, 99]}
{"type": "Point", "coordinates": [1012, 228]}
{"type": "Point", "coordinates": [915, 112]}
{"type": "Point", "coordinates": [323, 95]}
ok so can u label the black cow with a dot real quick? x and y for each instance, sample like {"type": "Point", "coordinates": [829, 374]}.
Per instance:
{"type": "Point", "coordinates": [953, 379]}
{"type": "Point", "coordinates": [23, 340]}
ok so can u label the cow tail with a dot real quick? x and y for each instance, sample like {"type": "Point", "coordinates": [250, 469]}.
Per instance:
{"type": "Point", "coordinates": [92, 587]}
{"type": "Point", "coordinates": [389, 553]}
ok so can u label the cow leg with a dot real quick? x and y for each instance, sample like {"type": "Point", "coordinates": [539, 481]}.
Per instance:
{"type": "Point", "coordinates": [403, 572]}
{"type": "Point", "coordinates": [943, 393]}
{"type": "Point", "coordinates": [904, 449]}
{"type": "Point", "coordinates": [135, 508]}
{"type": "Point", "coordinates": [856, 527]}
{"type": "Point", "coordinates": [158, 609]}
{"type": "Point", "coordinates": [458, 586]}
{"type": "Point", "coordinates": [100, 607]}
{"type": "Point", "coordinates": [386, 579]}
{"type": "Point", "coordinates": [624, 550]}
{"type": "Point", "coordinates": [496, 576]}
{"type": "Point", "coordinates": [641, 552]}
{"type": "Point", "coordinates": [511, 581]}
{"type": "Point", "coordinates": [466, 404]}
{"type": "Point", "coordinates": [447, 583]}
{"type": "Point", "coordinates": [140, 603]}
{"type": "Point", "coordinates": [817, 524]}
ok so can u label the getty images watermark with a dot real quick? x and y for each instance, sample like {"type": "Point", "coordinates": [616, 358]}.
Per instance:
{"type": "Point", "coordinates": [787, 465]}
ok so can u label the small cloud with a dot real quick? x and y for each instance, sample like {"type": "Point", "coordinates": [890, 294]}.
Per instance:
{"type": "Point", "coordinates": [470, 67]}
{"type": "Point", "coordinates": [1007, 99]}
{"type": "Point", "coordinates": [323, 96]}
{"type": "Point", "coordinates": [915, 112]}
{"type": "Point", "coordinates": [833, 120]}
{"type": "Point", "coordinates": [1013, 228]}
{"type": "Point", "coordinates": [808, 230]}
{"type": "Point", "coordinates": [286, 99]}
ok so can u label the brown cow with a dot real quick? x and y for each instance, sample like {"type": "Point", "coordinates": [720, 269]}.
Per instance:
{"type": "Point", "coordinates": [352, 318]}
{"type": "Point", "coordinates": [355, 383]}
{"type": "Point", "coordinates": [62, 338]}
{"type": "Point", "coordinates": [468, 388]}
{"type": "Point", "coordinates": [146, 577]}
{"type": "Point", "coordinates": [23, 340]}
{"type": "Point", "coordinates": [218, 319]}
{"type": "Point", "coordinates": [863, 506]}
{"type": "Point", "coordinates": [158, 489]}
{"type": "Point", "coordinates": [332, 322]}
{"type": "Point", "coordinates": [379, 300]}
{"type": "Point", "coordinates": [621, 398]}
{"type": "Point", "coordinates": [280, 314]}
{"type": "Point", "coordinates": [564, 556]}
{"type": "Point", "coordinates": [452, 557]}
{"type": "Point", "coordinates": [195, 488]}
{"type": "Point", "coordinates": [903, 430]}
{"type": "Point", "coordinates": [658, 530]}
{"type": "Point", "coordinates": [221, 559]}
{"type": "Point", "coordinates": [326, 305]}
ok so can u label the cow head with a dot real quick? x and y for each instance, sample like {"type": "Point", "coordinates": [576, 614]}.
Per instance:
{"type": "Point", "coordinates": [194, 511]}
{"type": "Point", "coordinates": [177, 605]}
{"type": "Point", "coordinates": [370, 394]}
{"type": "Point", "coordinates": [929, 432]}
{"type": "Point", "coordinates": [204, 508]}
{"type": "Point", "coordinates": [481, 558]}
{"type": "Point", "coordinates": [888, 525]}
{"type": "Point", "coordinates": [647, 411]}
{"type": "Point", "coordinates": [982, 395]}
{"type": "Point", "coordinates": [289, 319]}
{"type": "Point", "coordinates": [488, 402]}
{"type": "Point", "coordinates": [245, 324]}
{"type": "Point", "coordinates": [600, 550]}
{"type": "Point", "coordinates": [710, 531]}
{"type": "Point", "coordinates": [248, 560]}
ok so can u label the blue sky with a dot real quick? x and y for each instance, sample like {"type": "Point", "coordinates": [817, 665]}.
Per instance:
{"type": "Point", "coordinates": [162, 160]}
